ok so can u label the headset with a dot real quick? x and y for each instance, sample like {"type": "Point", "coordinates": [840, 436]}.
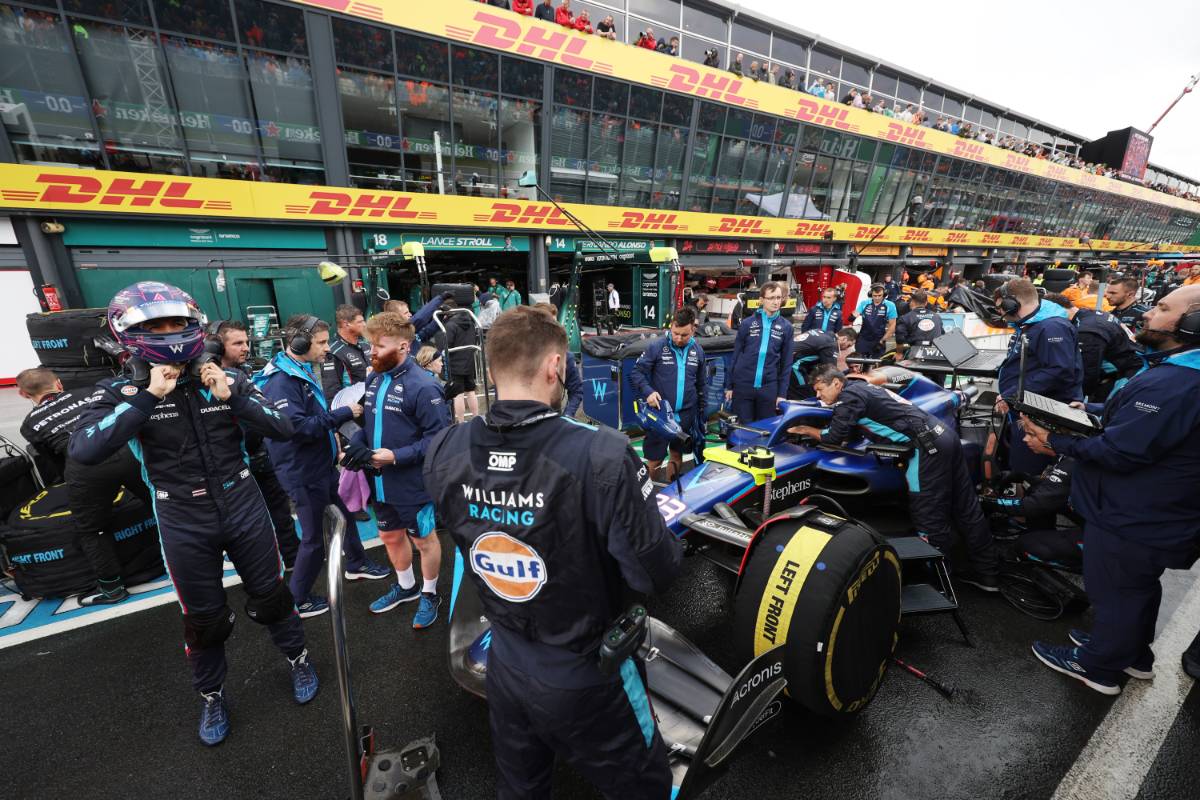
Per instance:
{"type": "Point", "coordinates": [1009, 305]}
{"type": "Point", "coordinates": [213, 344]}
{"type": "Point", "coordinates": [1188, 327]}
{"type": "Point", "coordinates": [299, 340]}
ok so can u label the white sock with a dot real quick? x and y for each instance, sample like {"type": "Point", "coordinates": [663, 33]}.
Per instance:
{"type": "Point", "coordinates": [406, 579]}
{"type": "Point", "coordinates": [430, 586]}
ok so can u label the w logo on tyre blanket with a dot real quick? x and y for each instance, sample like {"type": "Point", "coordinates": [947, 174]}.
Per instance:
{"type": "Point", "coordinates": [511, 569]}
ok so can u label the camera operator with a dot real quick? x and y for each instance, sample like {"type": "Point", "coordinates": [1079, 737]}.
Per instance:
{"type": "Point", "coordinates": [1135, 487]}
{"type": "Point", "coordinates": [305, 463]}
{"type": "Point", "coordinates": [185, 426]}
{"type": "Point", "coordinates": [231, 343]}
{"type": "Point", "coordinates": [574, 506]}
{"type": "Point", "coordinates": [91, 490]}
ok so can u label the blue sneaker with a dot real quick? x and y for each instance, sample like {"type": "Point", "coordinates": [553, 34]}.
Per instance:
{"type": "Point", "coordinates": [1066, 660]}
{"type": "Point", "coordinates": [394, 597]}
{"type": "Point", "coordinates": [214, 718]}
{"type": "Point", "coordinates": [304, 678]}
{"type": "Point", "coordinates": [428, 612]}
{"type": "Point", "coordinates": [368, 571]}
{"type": "Point", "coordinates": [1081, 638]}
{"type": "Point", "coordinates": [314, 606]}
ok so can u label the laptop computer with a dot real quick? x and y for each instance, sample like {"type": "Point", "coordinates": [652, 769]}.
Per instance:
{"type": "Point", "coordinates": [1049, 412]}
{"type": "Point", "coordinates": [957, 349]}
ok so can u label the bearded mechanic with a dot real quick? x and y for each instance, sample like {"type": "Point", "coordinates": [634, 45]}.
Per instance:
{"type": "Point", "coordinates": [185, 425]}
{"type": "Point", "coordinates": [1135, 487]}
{"type": "Point", "coordinates": [559, 524]}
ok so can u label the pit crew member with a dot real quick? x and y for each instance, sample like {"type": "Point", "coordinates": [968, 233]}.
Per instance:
{"type": "Point", "coordinates": [762, 359]}
{"type": "Point", "coordinates": [1106, 347]}
{"type": "Point", "coordinates": [810, 350]}
{"type": "Point", "coordinates": [878, 317]}
{"type": "Point", "coordinates": [825, 315]}
{"type": "Point", "coordinates": [920, 325]}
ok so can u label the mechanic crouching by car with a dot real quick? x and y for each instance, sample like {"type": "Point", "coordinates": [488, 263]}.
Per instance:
{"type": "Point", "coordinates": [305, 463]}
{"type": "Point", "coordinates": [810, 350]}
{"type": "Point", "coordinates": [672, 367]}
{"type": "Point", "coordinates": [1046, 496]}
{"type": "Point", "coordinates": [184, 422]}
{"type": "Point", "coordinates": [941, 494]}
{"type": "Point", "coordinates": [1105, 346]}
{"type": "Point", "coordinates": [1135, 487]}
{"type": "Point", "coordinates": [762, 359]}
{"type": "Point", "coordinates": [558, 524]}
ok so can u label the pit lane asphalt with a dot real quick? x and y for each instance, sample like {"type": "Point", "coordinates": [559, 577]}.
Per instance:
{"type": "Point", "coordinates": [107, 711]}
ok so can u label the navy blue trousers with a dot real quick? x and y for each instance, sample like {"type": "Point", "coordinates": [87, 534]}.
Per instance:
{"type": "Point", "coordinates": [195, 533]}
{"type": "Point", "coordinates": [750, 404]}
{"type": "Point", "coordinates": [310, 509]}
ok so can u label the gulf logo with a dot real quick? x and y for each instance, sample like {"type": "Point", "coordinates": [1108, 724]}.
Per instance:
{"type": "Point", "coordinates": [511, 569]}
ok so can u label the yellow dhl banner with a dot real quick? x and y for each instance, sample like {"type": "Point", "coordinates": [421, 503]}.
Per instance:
{"type": "Point", "coordinates": [477, 24]}
{"type": "Point", "coordinates": [60, 189]}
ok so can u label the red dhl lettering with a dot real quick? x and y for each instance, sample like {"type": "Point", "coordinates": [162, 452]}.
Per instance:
{"type": "Point", "coordinates": [365, 205]}
{"type": "Point", "coordinates": [637, 220]}
{"type": "Point", "coordinates": [829, 115]}
{"type": "Point", "coordinates": [916, 236]}
{"type": "Point", "coordinates": [974, 152]}
{"type": "Point", "coordinates": [533, 214]}
{"type": "Point", "coordinates": [1017, 162]}
{"type": "Point", "coordinates": [116, 191]}
{"type": "Point", "coordinates": [547, 44]}
{"type": "Point", "coordinates": [1020, 240]}
{"type": "Point", "coordinates": [867, 231]}
{"type": "Point", "coordinates": [810, 229]}
{"type": "Point", "coordinates": [740, 225]}
{"type": "Point", "coordinates": [1046, 240]}
{"type": "Point", "coordinates": [991, 238]}
{"type": "Point", "coordinates": [956, 238]}
{"type": "Point", "coordinates": [906, 135]}
{"type": "Point", "coordinates": [713, 85]}
{"type": "Point", "coordinates": [1056, 172]}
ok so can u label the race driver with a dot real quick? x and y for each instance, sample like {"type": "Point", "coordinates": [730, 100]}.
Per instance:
{"type": "Point", "coordinates": [762, 358]}
{"type": "Point", "coordinates": [349, 354]}
{"type": "Point", "coordinates": [559, 523]}
{"type": "Point", "coordinates": [185, 425]}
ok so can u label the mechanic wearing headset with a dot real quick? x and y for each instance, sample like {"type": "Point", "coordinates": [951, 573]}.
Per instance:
{"type": "Point", "coordinates": [1135, 487]}
{"type": "Point", "coordinates": [921, 325]}
{"type": "Point", "coordinates": [1053, 367]}
{"type": "Point", "coordinates": [941, 493]}
{"type": "Point", "coordinates": [1106, 347]}
{"type": "Point", "coordinates": [672, 367]}
{"type": "Point", "coordinates": [403, 408]}
{"type": "Point", "coordinates": [810, 350]}
{"type": "Point", "coordinates": [232, 344]}
{"type": "Point", "coordinates": [305, 464]}
{"type": "Point", "coordinates": [762, 359]}
{"type": "Point", "coordinates": [878, 323]}
{"type": "Point", "coordinates": [186, 425]}
{"type": "Point", "coordinates": [825, 315]}
{"type": "Point", "coordinates": [575, 508]}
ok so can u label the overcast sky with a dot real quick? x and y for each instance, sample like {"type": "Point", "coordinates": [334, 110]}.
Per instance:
{"type": "Point", "coordinates": [1089, 67]}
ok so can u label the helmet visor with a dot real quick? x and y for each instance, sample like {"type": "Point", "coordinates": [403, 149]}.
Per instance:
{"type": "Point", "coordinates": [144, 312]}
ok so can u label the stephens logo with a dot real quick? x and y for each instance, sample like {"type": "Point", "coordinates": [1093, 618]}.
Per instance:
{"type": "Point", "coordinates": [517, 214]}
{"type": "Point", "coordinates": [511, 569]}
{"type": "Point", "coordinates": [643, 221]}
{"type": "Point", "coordinates": [111, 191]}
{"type": "Point", "coordinates": [738, 225]}
{"type": "Point", "coordinates": [907, 135]}
{"type": "Point", "coordinates": [539, 41]}
{"type": "Point", "coordinates": [714, 85]}
{"type": "Point", "coordinates": [366, 204]}
{"type": "Point", "coordinates": [830, 115]}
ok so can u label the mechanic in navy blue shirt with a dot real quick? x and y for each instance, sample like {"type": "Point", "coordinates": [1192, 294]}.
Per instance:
{"type": "Point", "coordinates": [811, 349]}
{"type": "Point", "coordinates": [878, 316]}
{"type": "Point", "coordinates": [1135, 487]}
{"type": "Point", "coordinates": [826, 315]}
{"type": "Point", "coordinates": [762, 359]}
{"type": "Point", "coordinates": [1122, 294]}
{"type": "Point", "coordinates": [672, 368]}
{"type": "Point", "coordinates": [1053, 367]}
{"type": "Point", "coordinates": [305, 463]}
{"type": "Point", "coordinates": [1106, 348]}
{"type": "Point", "coordinates": [920, 325]}
{"type": "Point", "coordinates": [891, 289]}
{"type": "Point", "coordinates": [403, 409]}
{"type": "Point", "coordinates": [571, 376]}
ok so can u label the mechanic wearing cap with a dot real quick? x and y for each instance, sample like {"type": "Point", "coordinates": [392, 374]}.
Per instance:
{"type": "Point", "coordinates": [810, 350]}
{"type": "Point", "coordinates": [349, 354]}
{"type": "Point", "coordinates": [760, 367]}
{"type": "Point", "coordinates": [305, 464]}
{"type": "Point", "coordinates": [403, 408]}
{"type": "Point", "coordinates": [1053, 367]}
{"type": "Point", "coordinates": [941, 493]}
{"type": "Point", "coordinates": [1122, 293]}
{"type": "Point", "coordinates": [920, 325]}
{"type": "Point", "coordinates": [232, 344]}
{"type": "Point", "coordinates": [825, 315]}
{"type": "Point", "coordinates": [574, 507]}
{"type": "Point", "coordinates": [1135, 487]}
{"type": "Point", "coordinates": [91, 490]}
{"type": "Point", "coordinates": [878, 317]}
{"type": "Point", "coordinates": [1109, 355]}
{"type": "Point", "coordinates": [672, 367]}
{"type": "Point", "coordinates": [185, 423]}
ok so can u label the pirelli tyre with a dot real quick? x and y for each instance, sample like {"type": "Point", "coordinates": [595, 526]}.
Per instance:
{"type": "Point", "coordinates": [66, 338]}
{"type": "Point", "coordinates": [41, 545]}
{"type": "Point", "coordinates": [829, 590]}
{"type": "Point", "coordinates": [82, 377]}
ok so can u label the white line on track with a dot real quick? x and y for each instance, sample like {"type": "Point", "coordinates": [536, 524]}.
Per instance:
{"type": "Point", "coordinates": [130, 606]}
{"type": "Point", "coordinates": [1123, 747]}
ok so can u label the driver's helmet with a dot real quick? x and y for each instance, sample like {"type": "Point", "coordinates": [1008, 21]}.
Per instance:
{"type": "Point", "coordinates": [144, 301]}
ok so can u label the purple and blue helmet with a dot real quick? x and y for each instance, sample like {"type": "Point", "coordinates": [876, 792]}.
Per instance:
{"type": "Point", "coordinates": [144, 301]}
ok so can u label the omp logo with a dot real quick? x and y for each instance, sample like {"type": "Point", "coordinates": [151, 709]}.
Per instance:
{"type": "Point", "coordinates": [533, 39]}
{"type": "Point", "coordinates": [501, 462]}
{"type": "Point", "coordinates": [915, 235]}
{"type": "Point", "coordinates": [867, 231]}
{"type": "Point", "coordinates": [647, 221]}
{"type": "Point", "coordinates": [518, 214]}
{"type": "Point", "coordinates": [511, 569]}
{"type": "Point", "coordinates": [830, 115]}
{"type": "Point", "coordinates": [969, 150]}
{"type": "Point", "coordinates": [1020, 240]}
{"type": "Point", "coordinates": [367, 204]}
{"type": "Point", "coordinates": [990, 238]}
{"type": "Point", "coordinates": [112, 191]}
{"type": "Point", "coordinates": [906, 135]}
{"type": "Point", "coordinates": [599, 389]}
{"type": "Point", "coordinates": [811, 229]}
{"type": "Point", "coordinates": [714, 85]}
{"type": "Point", "coordinates": [956, 238]}
{"type": "Point", "coordinates": [738, 225]}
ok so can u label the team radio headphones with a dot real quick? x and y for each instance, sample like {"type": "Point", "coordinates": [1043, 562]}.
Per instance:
{"type": "Point", "coordinates": [1009, 305]}
{"type": "Point", "coordinates": [1188, 327]}
{"type": "Point", "coordinates": [299, 339]}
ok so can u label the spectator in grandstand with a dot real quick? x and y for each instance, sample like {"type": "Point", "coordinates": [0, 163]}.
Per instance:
{"type": "Point", "coordinates": [830, 92]}
{"type": "Point", "coordinates": [671, 47]}
{"type": "Point", "coordinates": [523, 7]}
{"type": "Point", "coordinates": [582, 23]}
{"type": "Point", "coordinates": [736, 65]}
{"type": "Point", "coordinates": [753, 71]}
{"type": "Point", "coordinates": [545, 11]}
{"type": "Point", "coordinates": [563, 16]}
{"type": "Point", "coordinates": [878, 108]}
{"type": "Point", "coordinates": [789, 80]}
{"type": "Point", "coordinates": [712, 58]}
{"type": "Point", "coordinates": [647, 40]}
{"type": "Point", "coordinates": [816, 88]}
{"type": "Point", "coordinates": [606, 28]}
{"type": "Point", "coordinates": [500, 4]}
{"type": "Point", "coordinates": [909, 113]}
